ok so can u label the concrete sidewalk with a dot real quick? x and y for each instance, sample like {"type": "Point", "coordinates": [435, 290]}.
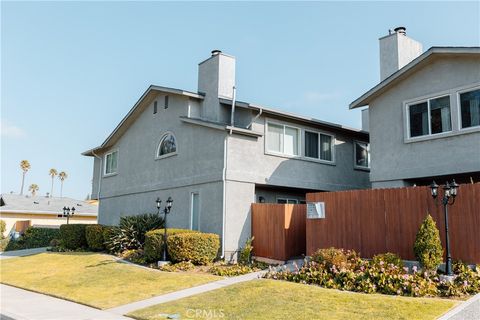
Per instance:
{"type": "Point", "coordinates": [21, 304]}
{"type": "Point", "coordinates": [468, 310]}
{"type": "Point", "coordinates": [184, 293]}
{"type": "Point", "coordinates": [21, 253]}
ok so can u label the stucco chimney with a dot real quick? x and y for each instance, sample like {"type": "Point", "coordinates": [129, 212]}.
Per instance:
{"type": "Point", "coordinates": [216, 79]}
{"type": "Point", "coordinates": [396, 51]}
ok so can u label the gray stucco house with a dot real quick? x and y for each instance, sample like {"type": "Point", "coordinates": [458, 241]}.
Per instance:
{"type": "Point", "coordinates": [215, 160]}
{"type": "Point", "coordinates": [424, 115]}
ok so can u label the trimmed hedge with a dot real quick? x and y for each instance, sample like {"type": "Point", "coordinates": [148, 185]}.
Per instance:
{"type": "Point", "coordinates": [198, 248]}
{"type": "Point", "coordinates": [153, 247]}
{"type": "Point", "coordinates": [72, 236]}
{"type": "Point", "coordinates": [33, 238]}
{"type": "Point", "coordinates": [94, 236]}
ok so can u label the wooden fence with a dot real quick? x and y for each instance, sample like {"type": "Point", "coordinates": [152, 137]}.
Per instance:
{"type": "Point", "coordinates": [279, 230]}
{"type": "Point", "coordinates": [387, 220]}
{"type": "Point", "coordinates": [22, 225]}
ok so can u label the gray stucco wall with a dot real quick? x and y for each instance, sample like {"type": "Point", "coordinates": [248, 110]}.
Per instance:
{"type": "Point", "coordinates": [394, 158]}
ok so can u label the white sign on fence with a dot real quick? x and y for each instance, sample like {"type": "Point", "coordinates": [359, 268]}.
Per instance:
{"type": "Point", "coordinates": [315, 210]}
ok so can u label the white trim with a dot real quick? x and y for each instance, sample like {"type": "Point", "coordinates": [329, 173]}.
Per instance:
{"type": "Point", "coordinates": [332, 146]}
{"type": "Point", "coordinates": [167, 155]}
{"type": "Point", "coordinates": [105, 174]}
{"type": "Point", "coordinates": [459, 109]}
{"type": "Point", "coordinates": [196, 192]}
{"type": "Point", "coordinates": [355, 165]}
{"type": "Point", "coordinates": [286, 200]}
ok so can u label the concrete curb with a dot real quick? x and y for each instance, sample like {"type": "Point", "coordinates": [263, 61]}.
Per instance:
{"type": "Point", "coordinates": [458, 309]}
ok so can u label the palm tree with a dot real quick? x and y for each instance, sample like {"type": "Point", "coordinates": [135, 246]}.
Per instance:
{"type": "Point", "coordinates": [62, 176]}
{"type": "Point", "coordinates": [53, 172]}
{"type": "Point", "coordinates": [25, 166]}
{"type": "Point", "coordinates": [33, 188]}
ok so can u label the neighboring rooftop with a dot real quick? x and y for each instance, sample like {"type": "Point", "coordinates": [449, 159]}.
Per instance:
{"type": "Point", "coordinates": [14, 203]}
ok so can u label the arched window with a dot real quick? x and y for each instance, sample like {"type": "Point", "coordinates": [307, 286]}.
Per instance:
{"type": "Point", "coordinates": [168, 145]}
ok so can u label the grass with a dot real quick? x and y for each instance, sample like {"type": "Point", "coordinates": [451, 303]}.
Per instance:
{"type": "Point", "coordinates": [93, 279]}
{"type": "Point", "coordinates": [272, 299]}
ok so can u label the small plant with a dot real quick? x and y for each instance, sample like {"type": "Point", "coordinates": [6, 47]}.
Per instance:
{"type": "Point", "coordinates": [340, 258]}
{"type": "Point", "coordinates": [232, 270]}
{"type": "Point", "coordinates": [136, 256]}
{"type": "Point", "coordinates": [428, 247]}
{"type": "Point", "coordinates": [388, 258]}
{"type": "Point", "coordinates": [246, 252]}
{"type": "Point", "coordinates": [3, 227]}
{"type": "Point", "coordinates": [181, 266]}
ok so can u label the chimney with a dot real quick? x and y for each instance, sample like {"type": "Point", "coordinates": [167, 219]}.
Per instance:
{"type": "Point", "coordinates": [396, 51]}
{"type": "Point", "coordinates": [216, 79]}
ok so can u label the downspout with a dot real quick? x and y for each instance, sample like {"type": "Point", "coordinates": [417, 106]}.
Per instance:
{"type": "Point", "coordinates": [260, 111]}
{"type": "Point", "coordinates": [99, 174]}
{"type": "Point", "coordinates": [224, 203]}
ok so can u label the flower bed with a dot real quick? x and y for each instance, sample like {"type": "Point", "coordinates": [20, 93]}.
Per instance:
{"type": "Point", "coordinates": [345, 270]}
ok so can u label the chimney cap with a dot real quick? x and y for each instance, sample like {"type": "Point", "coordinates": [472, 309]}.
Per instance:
{"type": "Point", "coordinates": [402, 30]}
{"type": "Point", "coordinates": [216, 52]}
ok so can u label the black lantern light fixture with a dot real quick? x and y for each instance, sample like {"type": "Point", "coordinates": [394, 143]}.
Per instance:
{"type": "Point", "coordinates": [450, 191]}
{"type": "Point", "coordinates": [166, 210]}
{"type": "Point", "coordinates": [67, 212]}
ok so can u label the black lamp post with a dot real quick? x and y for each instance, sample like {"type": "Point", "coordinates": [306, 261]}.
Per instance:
{"type": "Point", "coordinates": [67, 212]}
{"type": "Point", "coordinates": [166, 211]}
{"type": "Point", "coordinates": [450, 192]}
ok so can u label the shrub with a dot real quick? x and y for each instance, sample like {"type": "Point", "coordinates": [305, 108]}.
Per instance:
{"type": "Point", "coordinates": [181, 266]}
{"type": "Point", "coordinates": [338, 258]}
{"type": "Point", "coordinates": [3, 227]}
{"type": "Point", "coordinates": [388, 258]}
{"type": "Point", "coordinates": [72, 236]}
{"type": "Point", "coordinates": [232, 270]}
{"type": "Point", "coordinates": [33, 238]}
{"type": "Point", "coordinates": [199, 248]}
{"type": "Point", "coordinates": [136, 256]}
{"type": "Point", "coordinates": [108, 233]}
{"type": "Point", "coordinates": [246, 252]}
{"type": "Point", "coordinates": [428, 248]}
{"type": "Point", "coordinates": [94, 236]}
{"type": "Point", "coordinates": [154, 242]}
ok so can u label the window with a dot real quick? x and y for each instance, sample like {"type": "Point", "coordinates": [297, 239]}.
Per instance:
{"type": "Point", "coordinates": [111, 161]}
{"type": "Point", "coordinates": [470, 108]}
{"type": "Point", "coordinates": [282, 139]}
{"type": "Point", "coordinates": [166, 102]}
{"type": "Point", "coordinates": [430, 117]}
{"type": "Point", "coordinates": [168, 145]}
{"type": "Point", "coordinates": [318, 146]}
{"type": "Point", "coordinates": [362, 154]}
{"type": "Point", "coordinates": [287, 201]}
{"type": "Point", "coordinates": [155, 107]}
{"type": "Point", "coordinates": [195, 211]}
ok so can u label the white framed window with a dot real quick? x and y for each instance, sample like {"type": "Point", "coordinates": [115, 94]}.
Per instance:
{"type": "Point", "coordinates": [429, 117]}
{"type": "Point", "coordinates": [319, 146]}
{"type": "Point", "coordinates": [287, 201]}
{"type": "Point", "coordinates": [282, 139]}
{"type": "Point", "coordinates": [361, 152]}
{"type": "Point", "coordinates": [111, 163]}
{"type": "Point", "coordinates": [167, 146]}
{"type": "Point", "coordinates": [469, 105]}
{"type": "Point", "coordinates": [195, 211]}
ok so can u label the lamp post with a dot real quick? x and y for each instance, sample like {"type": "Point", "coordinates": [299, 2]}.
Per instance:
{"type": "Point", "coordinates": [67, 212]}
{"type": "Point", "coordinates": [166, 211]}
{"type": "Point", "coordinates": [450, 192]}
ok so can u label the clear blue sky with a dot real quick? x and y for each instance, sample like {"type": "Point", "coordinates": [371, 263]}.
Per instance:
{"type": "Point", "coordinates": [71, 71]}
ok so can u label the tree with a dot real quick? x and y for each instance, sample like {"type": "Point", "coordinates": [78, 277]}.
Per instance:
{"type": "Point", "coordinates": [62, 176]}
{"type": "Point", "coordinates": [428, 247]}
{"type": "Point", "coordinates": [53, 172]}
{"type": "Point", "coordinates": [25, 166]}
{"type": "Point", "coordinates": [33, 188]}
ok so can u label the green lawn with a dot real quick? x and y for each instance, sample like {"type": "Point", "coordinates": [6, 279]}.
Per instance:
{"type": "Point", "coordinates": [271, 299]}
{"type": "Point", "coordinates": [94, 279]}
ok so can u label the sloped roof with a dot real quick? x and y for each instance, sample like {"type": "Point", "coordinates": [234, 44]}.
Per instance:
{"type": "Point", "coordinates": [410, 68]}
{"type": "Point", "coordinates": [14, 203]}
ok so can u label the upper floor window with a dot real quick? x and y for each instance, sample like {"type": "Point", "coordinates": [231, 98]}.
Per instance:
{"type": "Point", "coordinates": [111, 161]}
{"type": "Point", "coordinates": [283, 139]}
{"type": "Point", "coordinates": [168, 145]}
{"type": "Point", "coordinates": [362, 154]}
{"type": "Point", "coordinates": [318, 146]}
{"type": "Point", "coordinates": [430, 117]}
{"type": "Point", "coordinates": [470, 108]}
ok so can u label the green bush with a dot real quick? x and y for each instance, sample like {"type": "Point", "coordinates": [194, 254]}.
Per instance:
{"type": "Point", "coordinates": [136, 256]}
{"type": "Point", "coordinates": [428, 247]}
{"type": "Point", "coordinates": [33, 238]}
{"type": "Point", "coordinates": [199, 248]}
{"type": "Point", "coordinates": [154, 242]}
{"type": "Point", "coordinates": [72, 236]}
{"type": "Point", "coordinates": [108, 233]}
{"type": "Point", "coordinates": [94, 236]}
{"type": "Point", "coordinates": [3, 227]}
{"type": "Point", "coordinates": [181, 266]}
{"type": "Point", "coordinates": [338, 258]}
{"type": "Point", "coordinates": [388, 258]}
{"type": "Point", "coordinates": [232, 270]}
{"type": "Point", "coordinates": [245, 256]}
